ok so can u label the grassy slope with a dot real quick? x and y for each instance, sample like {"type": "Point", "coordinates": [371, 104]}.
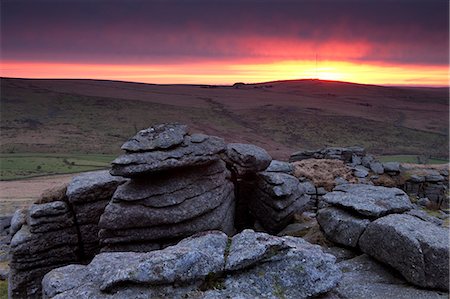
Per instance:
{"type": "Point", "coordinates": [42, 118]}
{"type": "Point", "coordinates": [14, 166]}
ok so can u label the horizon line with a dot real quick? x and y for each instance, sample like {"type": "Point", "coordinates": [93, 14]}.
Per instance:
{"type": "Point", "coordinates": [230, 85]}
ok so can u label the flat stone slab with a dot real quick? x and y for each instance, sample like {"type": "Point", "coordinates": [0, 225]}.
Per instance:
{"type": "Point", "coordinates": [367, 200]}
{"type": "Point", "coordinates": [419, 250]}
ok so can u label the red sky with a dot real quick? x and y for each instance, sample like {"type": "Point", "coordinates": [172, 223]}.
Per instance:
{"type": "Point", "coordinates": [222, 42]}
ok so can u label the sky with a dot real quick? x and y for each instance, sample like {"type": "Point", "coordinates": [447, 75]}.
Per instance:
{"type": "Point", "coordinates": [387, 42]}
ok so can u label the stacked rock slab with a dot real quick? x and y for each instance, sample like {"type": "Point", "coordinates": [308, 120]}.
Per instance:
{"type": "Point", "coordinates": [275, 199]}
{"type": "Point", "coordinates": [432, 185]}
{"type": "Point", "coordinates": [179, 186]}
{"type": "Point", "coordinates": [369, 218]}
{"type": "Point", "coordinates": [52, 232]}
{"type": "Point", "coordinates": [352, 154]}
{"type": "Point", "coordinates": [207, 265]}
{"type": "Point", "coordinates": [267, 189]}
{"type": "Point", "coordinates": [45, 239]}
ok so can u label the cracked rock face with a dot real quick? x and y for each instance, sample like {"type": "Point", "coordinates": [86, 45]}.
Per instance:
{"type": "Point", "coordinates": [341, 227]}
{"type": "Point", "coordinates": [419, 250]}
{"type": "Point", "coordinates": [166, 147]}
{"type": "Point", "coordinates": [370, 201]}
{"type": "Point", "coordinates": [200, 267]}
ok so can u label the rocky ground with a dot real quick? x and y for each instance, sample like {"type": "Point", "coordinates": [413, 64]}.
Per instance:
{"type": "Point", "coordinates": [185, 215]}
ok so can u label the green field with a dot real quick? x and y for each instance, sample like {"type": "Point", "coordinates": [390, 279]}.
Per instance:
{"type": "Point", "coordinates": [410, 159]}
{"type": "Point", "coordinates": [19, 166]}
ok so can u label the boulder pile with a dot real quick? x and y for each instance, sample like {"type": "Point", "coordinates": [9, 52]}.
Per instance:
{"type": "Point", "coordinates": [178, 186]}
{"type": "Point", "coordinates": [370, 218]}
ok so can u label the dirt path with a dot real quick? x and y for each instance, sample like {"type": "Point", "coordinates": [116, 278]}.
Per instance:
{"type": "Point", "coordinates": [20, 193]}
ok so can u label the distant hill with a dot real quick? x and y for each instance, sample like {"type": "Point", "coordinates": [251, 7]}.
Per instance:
{"type": "Point", "coordinates": [94, 116]}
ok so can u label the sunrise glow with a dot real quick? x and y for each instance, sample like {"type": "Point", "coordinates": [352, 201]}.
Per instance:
{"type": "Point", "coordinates": [229, 73]}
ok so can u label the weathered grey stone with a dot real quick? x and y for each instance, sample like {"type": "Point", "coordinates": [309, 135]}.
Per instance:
{"type": "Point", "coordinates": [118, 215]}
{"type": "Point", "coordinates": [341, 227]}
{"type": "Point", "coordinates": [187, 270]}
{"type": "Point", "coordinates": [376, 167]}
{"type": "Point", "coordinates": [26, 243]}
{"type": "Point", "coordinates": [249, 247]}
{"type": "Point", "coordinates": [157, 137]}
{"type": "Point", "coordinates": [360, 171]}
{"type": "Point", "coordinates": [187, 154]}
{"type": "Point", "coordinates": [221, 218]}
{"type": "Point", "coordinates": [416, 178]}
{"type": "Point", "coordinates": [421, 214]}
{"type": "Point", "coordinates": [391, 167]}
{"type": "Point", "coordinates": [279, 185]}
{"type": "Point", "coordinates": [169, 189]}
{"type": "Point", "coordinates": [366, 160]}
{"type": "Point", "coordinates": [247, 158]}
{"type": "Point", "coordinates": [364, 277]}
{"type": "Point", "coordinates": [19, 218]}
{"type": "Point", "coordinates": [372, 201]}
{"type": "Point", "coordinates": [5, 223]}
{"type": "Point", "coordinates": [89, 213]}
{"type": "Point", "coordinates": [48, 209]}
{"type": "Point", "coordinates": [418, 249]}
{"type": "Point", "coordinates": [308, 188]}
{"type": "Point", "coordinates": [274, 220]}
{"type": "Point", "coordinates": [434, 177]}
{"type": "Point", "coordinates": [280, 166]}
{"type": "Point", "coordinates": [27, 284]}
{"type": "Point", "coordinates": [294, 269]}
{"type": "Point", "coordinates": [92, 186]}
{"type": "Point", "coordinates": [46, 224]}
{"type": "Point", "coordinates": [190, 260]}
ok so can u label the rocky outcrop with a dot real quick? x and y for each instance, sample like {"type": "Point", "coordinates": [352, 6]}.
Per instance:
{"type": "Point", "coordinates": [207, 265]}
{"type": "Point", "coordinates": [366, 217]}
{"type": "Point", "coordinates": [59, 229]}
{"type": "Point", "coordinates": [168, 201]}
{"type": "Point", "coordinates": [418, 249]}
